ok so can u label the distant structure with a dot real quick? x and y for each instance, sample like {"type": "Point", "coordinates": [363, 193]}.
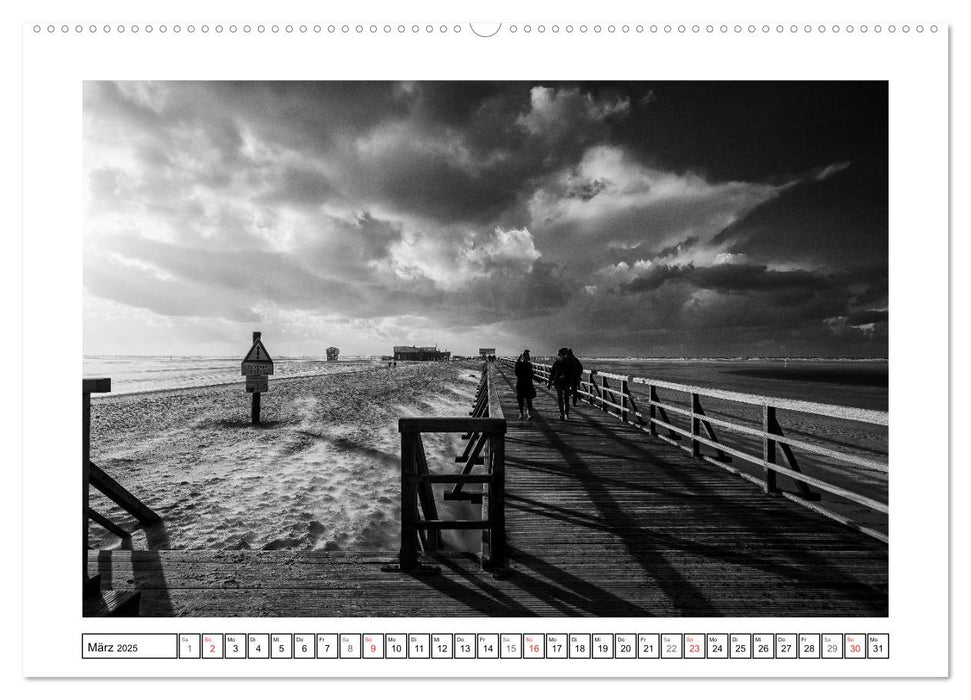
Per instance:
{"type": "Point", "coordinates": [486, 353]}
{"type": "Point", "coordinates": [424, 353]}
{"type": "Point", "coordinates": [332, 354]}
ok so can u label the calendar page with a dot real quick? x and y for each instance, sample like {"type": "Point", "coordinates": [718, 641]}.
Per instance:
{"type": "Point", "coordinates": [440, 343]}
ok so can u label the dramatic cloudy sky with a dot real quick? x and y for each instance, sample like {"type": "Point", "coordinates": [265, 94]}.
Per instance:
{"type": "Point", "coordinates": [637, 218]}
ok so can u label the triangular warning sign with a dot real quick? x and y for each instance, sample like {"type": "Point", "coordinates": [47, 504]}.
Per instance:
{"type": "Point", "coordinates": [258, 353]}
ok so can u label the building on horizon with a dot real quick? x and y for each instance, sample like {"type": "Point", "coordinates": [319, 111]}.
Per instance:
{"type": "Point", "coordinates": [424, 353]}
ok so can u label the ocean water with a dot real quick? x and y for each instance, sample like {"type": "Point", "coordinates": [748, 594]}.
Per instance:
{"type": "Point", "coordinates": [132, 374]}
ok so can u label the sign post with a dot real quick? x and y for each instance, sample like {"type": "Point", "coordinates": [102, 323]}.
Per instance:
{"type": "Point", "coordinates": [257, 367]}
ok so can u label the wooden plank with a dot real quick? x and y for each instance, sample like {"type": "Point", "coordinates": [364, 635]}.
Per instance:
{"type": "Point", "coordinates": [408, 556]}
{"type": "Point", "coordinates": [85, 480]}
{"type": "Point", "coordinates": [325, 586]}
{"type": "Point", "coordinates": [112, 604]}
{"type": "Point", "coordinates": [495, 405]}
{"type": "Point", "coordinates": [497, 504]}
{"type": "Point", "coordinates": [454, 524]}
{"type": "Point", "coordinates": [454, 478]}
{"type": "Point", "coordinates": [450, 424]}
{"type": "Point", "coordinates": [96, 385]}
{"type": "Point", "coordinates": [107, 524]}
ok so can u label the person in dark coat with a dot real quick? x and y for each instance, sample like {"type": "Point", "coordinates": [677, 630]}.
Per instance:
{"type": "Point", "coordinates": [525, 391]}
{"type": "Point", "coordinates": [574, 374]}
{"type": "Point", "coordinates": [560, 378]}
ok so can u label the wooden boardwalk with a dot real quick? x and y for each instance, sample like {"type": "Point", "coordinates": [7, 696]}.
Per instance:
{"type": "Point", "coordinates": [601, 520]}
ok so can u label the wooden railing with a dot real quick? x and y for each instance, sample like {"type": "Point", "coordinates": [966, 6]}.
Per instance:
{"type": "Point", "coordinates": [759, 440]}
{"type": "Point", "coordinates": [93, 475]}
{"type": "Point", "coordinates": [421, 525]}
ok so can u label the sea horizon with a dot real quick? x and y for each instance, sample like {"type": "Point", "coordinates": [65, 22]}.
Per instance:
{"type": "Point", "coordinates": [653, 358]}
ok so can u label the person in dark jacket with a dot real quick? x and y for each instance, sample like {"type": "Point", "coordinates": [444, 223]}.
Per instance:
{"type": "Point", "coordinates": [574, 373]}
{"type": "Point", "coordinates": [525, 391]}
{"type": "Point", "coordinates": [560, 378]}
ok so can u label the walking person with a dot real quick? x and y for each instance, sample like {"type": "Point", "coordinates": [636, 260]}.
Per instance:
{"type": "Point", "coordinates": [525, 391]}
{"type": "Point", "coordinates": [575, 374]}
{"type": "Point", "coordinates": [560, 378]}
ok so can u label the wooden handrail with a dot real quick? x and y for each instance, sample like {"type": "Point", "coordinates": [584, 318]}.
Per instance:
{"type": "Point", "coordinates": [450, 424]}
{"type": "Point", "coordinates": [861, 415]}
{"type": "Point", "coordinates": [102, 481]}
{"type": "Point", "coordinates": [93, 475]}
{"type": "Point", "coordinates": [612, 393]}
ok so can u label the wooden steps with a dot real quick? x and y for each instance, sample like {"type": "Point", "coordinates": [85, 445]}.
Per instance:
{"type": "Point", "coordinates": [109, 603]}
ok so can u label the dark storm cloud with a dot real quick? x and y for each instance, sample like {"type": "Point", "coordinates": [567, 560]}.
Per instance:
{"type": "Point", "coordinates": [843, 217]}
{"type": "Point", "coordinates": [730, 278]}
{"type": "Point", "coordinates": [705, 216]}
{"type": "Point", "coordinates": [863, 318]}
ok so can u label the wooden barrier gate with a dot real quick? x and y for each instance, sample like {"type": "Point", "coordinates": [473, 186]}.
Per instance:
{"type": "Point", "coordinates": [421, 526]}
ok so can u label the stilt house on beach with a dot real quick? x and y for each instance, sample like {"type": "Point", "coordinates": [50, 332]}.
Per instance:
{"type": "Point", "coordinates": [424, 353]}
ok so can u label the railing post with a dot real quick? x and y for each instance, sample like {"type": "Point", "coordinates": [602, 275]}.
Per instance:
{"type": "Point", "coordinates": [408, 556]}
{"type": "Point", "coordinates": [85, 476]}
{"type": "Point", "coordinates": [485, 550]}
{"type": "Point", "coordinates": [603, 394]}
{"type": "Point", "coordinates": [695, 425]}
{"type": "Point", "coordinates": [497, 502]}
{"type": "Point", "coordinates": [100, 385]}
{"type": "Point", "coordinates": [651, 410]}
{"type": "Point", "coordinates": [624, 401]}
{"type": "Point", "coordinates": [768, 449]}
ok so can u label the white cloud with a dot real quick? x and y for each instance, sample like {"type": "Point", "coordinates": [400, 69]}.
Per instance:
{"type": "Point", "coordinates": [553, 112]}
{"type": "Point", "coordinates": [513, 247]}
{"type": "Point", "coordinates": [452, 262]}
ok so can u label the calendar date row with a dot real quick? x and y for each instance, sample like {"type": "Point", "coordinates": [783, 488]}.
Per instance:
{"type": "Point", "coordinates": [487, 646]}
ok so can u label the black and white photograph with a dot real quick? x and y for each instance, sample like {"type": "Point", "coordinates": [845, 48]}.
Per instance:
{"type": "Point", "coordinates": [531, 348]}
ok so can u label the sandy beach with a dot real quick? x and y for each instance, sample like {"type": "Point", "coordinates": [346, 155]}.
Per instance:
{"type": "Point", "coordinates": [322, 472]}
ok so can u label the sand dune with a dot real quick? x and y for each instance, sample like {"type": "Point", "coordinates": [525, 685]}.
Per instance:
{"type": "Point", "coordinates": [322, 472]}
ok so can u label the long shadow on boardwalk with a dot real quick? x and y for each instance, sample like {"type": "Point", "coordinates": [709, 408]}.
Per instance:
{"type": "Point", "coordinates": [148, 574]}
{"type": "Point", "coordinates": [686, 597]}
{"type": "Point", "coordinates": [755, 520]}
{"type": "Point", "coordinates": [569, 595]}
{"type": "Point", "coordinates": [703, 541]}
